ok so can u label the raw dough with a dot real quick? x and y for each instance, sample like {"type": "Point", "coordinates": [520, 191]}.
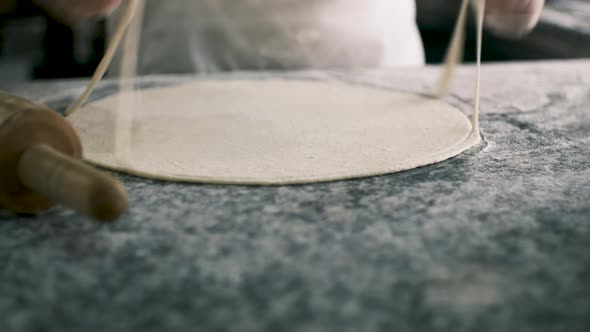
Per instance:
{"type": "Point", "coordinates": [272, 131]}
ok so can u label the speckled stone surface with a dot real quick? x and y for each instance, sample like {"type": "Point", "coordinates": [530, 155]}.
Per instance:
{"type": "Point", "coordinates": [497, 239]}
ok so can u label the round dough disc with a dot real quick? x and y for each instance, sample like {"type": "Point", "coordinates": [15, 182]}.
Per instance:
{"type": "Point", "coordinates": [273, 132]}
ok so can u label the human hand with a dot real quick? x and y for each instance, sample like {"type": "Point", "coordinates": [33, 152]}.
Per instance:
{"type": "Point", "coordinates": [513, 18]}
{"type": "Point", "coordinates": [74, 11]}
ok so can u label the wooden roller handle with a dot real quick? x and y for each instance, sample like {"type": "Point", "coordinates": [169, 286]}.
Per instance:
{"type": "Point", "coordinates": [72, 183]}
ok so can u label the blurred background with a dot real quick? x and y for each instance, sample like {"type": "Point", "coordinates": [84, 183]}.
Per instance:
{"type": "Point", "coordinates": [33, 46]}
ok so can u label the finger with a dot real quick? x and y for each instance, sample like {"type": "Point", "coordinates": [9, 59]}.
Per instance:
{"type": "Point", "coordinates": [73, 11]}
{"type": "Point", "coordinates": [513, 18]}
{"type": "Point", "coordinates": [524, 7]}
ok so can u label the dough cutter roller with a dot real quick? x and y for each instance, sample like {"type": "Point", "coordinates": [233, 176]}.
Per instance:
{"type": "Point", "coordinates": [41, 166]}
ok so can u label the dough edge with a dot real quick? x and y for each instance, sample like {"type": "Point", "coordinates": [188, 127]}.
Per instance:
{"type": "Point", "coordinates": [472, 140]}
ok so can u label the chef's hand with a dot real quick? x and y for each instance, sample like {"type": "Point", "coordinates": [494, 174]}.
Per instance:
{"type": "Point", "coordinates": [74, 11]}
{"type": "Point", "coordinates": [513, 18]}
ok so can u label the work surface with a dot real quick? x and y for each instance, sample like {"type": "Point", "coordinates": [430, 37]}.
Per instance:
{"type": "Point", "coordinates": [495, 239]}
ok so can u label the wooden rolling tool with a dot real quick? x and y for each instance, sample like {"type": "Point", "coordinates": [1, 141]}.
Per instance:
{"type": "Point", "coordinates": [40, 165]}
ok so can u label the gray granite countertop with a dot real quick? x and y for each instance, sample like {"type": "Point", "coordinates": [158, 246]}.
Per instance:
{"type": "Point", "coordinates": [497, 239]}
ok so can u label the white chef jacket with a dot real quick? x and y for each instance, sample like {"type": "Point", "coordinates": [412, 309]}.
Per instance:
{"type": "Point", "coordinates": [206, 36]}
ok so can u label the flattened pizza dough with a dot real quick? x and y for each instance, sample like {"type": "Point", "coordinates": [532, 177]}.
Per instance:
{"type": "Point", "coordinates": [272, 131]}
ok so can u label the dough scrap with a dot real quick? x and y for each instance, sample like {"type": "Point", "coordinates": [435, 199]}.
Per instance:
{"type": "Point", "coordinates": [272, 132]}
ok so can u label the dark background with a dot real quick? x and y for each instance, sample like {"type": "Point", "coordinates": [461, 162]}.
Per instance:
{"type": "Point", "coordinates": [562, 33]}
{"type": "Point", "coordinates": [33, 46]}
